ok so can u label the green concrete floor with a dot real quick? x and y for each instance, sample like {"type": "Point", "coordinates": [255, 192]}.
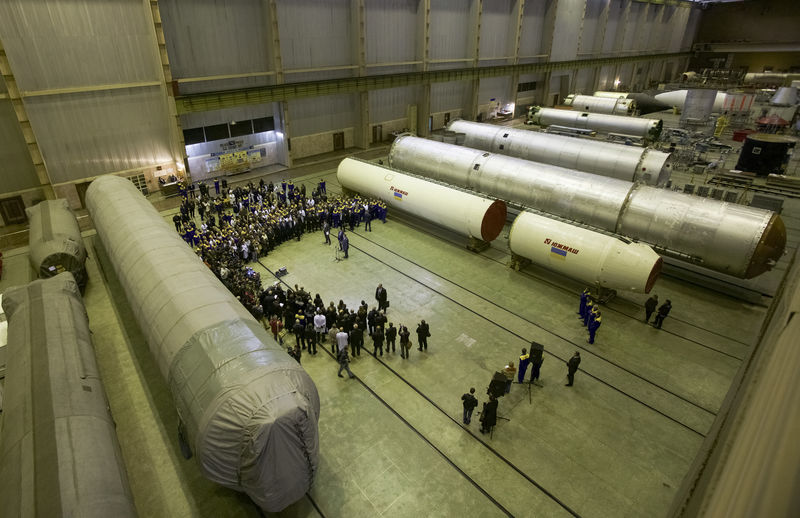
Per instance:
{"type": "Point", "coordinates": [391, 441]}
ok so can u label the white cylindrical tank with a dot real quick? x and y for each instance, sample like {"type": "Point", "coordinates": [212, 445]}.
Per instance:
{"type": "Point", "coordinates": [648, 129]}
{"type": "Point", "coordinates": [583, 254]}
{"type": "Point", "coordinates": [607, 105]}
{"type": "Point", "coordinates": [456, 210]}
{"type": "Point", "coordinates": [677, 98]}
{"type": "Point", "coordinates": [603, 158]}
{"type": "Point", "coordinates": [729, 238]}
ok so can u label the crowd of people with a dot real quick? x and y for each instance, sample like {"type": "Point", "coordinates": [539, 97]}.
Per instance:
{"type": "Point", "coordinates": [239, 225]}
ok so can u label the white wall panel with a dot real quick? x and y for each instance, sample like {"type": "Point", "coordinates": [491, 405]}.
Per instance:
{"type": "Point", "coordinates": [84, 135]}
{"type": "Point", "coordinates": [567, 30]}
{"type": "Point", "coordinates": [315, 33]}
{"type": "Point", "coordinates": [496, 22]}
{"type": "Point", "coordinates": [690, 30]}
{"type": "Point", "coordinates": [632, 26]}
{"type": "Point", "coordinates": [16, 168]}
{"type": "Point", "coordinates": [299, 77]}
{"type": "Point", "coordinates": [390, 103]}
{"type": "Point", "coordinates": [320, 114]}
{"type": "Point", "coordinates": [530, 43]}
{"type": "Point", "coordinates": [215, 37]}
{"type": "Point", "coordinates": [592, 30]}
{"type": "Point", "coordinates": [59, 44]}
{"type": "Point", "coordinates": [391, 30]}
{"type": "Point", "coordinates": [239, 113]}
{"type": "Point", "coordinates": [679, 22]}
{"type": "Point", "coordinates": [449, 29]}
{"type": "Point", "coordinates": [614, 26]}
{"type": "Point", "coordinates": [449, 96]}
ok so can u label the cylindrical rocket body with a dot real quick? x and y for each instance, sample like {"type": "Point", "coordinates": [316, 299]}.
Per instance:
{"type": "Point", "coordinates": [583, 254]}
{"type": "Point", "coordinates": [250, 411]}
{"type": "Point", "coordinates": [739, 241]}
{"type": "Point", "coordinates": [646, 128]}
{"type": "Point", "coordinates": [582, 197]}
{"type": "Point", "coordinates": [603, 158]}
{"type": "Point", "coordinates": [607, 105]}
{"type": "Point", "coordinates": [59, 455]}
{"type": "Point", "coordinates": [55, 241]}
{"type": "Point", "coordinates": [610, 95]}
{"type": "Point", "coordinates": [456, 210]}
{"type": "Point", "coordinates": [677, 98]}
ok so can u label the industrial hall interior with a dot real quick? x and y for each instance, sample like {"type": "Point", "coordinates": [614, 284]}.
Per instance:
{"type": "Point", "coordinates": [399, 258]}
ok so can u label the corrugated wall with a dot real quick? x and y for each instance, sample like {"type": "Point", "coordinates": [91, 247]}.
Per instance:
{"type": "Point", "coordinates": [89, 134]}
{"type": "Point", "coordinates": [449, 96]}
{"type": "Point", "coordinates": [497, 21]}
{"type": "Point", "coordinates": [532, 28]}
{"type": "Point", "coordinates": [320, 114]}
{"type": "Point", "coordinates": [315, 34]}
{"type": "Point", "coordinates": [88, 44]}
{"type": "Point", "coordinates": [391, 27]}
{"type": "Point", "coordinates": [391, 103]}
{"type": "Point", "coordinates": [217, 38]}
{"type": "Point", "coordinates": [16, 171]}
{"type": "Point", "coordinates": [449, 29]}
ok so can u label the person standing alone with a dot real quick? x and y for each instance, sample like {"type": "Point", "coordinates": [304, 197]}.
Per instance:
{"type": "Point", "coordinates": [382, 297]}
{"type": "Point", "coordinates": [572, 368]}
{"type": "Point", "coordinates": [423, 332]}
{"type": "Point", "coordinates": [470, 402]}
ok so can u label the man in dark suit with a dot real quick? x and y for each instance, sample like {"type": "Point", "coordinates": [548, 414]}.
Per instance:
{"type": "Point", "coordinates": [572, 368]}
{"type": "Point", "coordinates": [382, 297]}
{"type": "Point", "coordinates": [423, 332]}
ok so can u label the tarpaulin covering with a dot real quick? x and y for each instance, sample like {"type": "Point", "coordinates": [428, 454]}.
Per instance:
{"type": "Point", "coordinates": [59, 454]}
{"type": "Point", "coordinates": [249, 410]}
{"type": "Point", "coordinates": [55, 241]}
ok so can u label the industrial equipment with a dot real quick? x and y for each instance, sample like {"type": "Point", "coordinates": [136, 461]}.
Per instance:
{"type": "Point", "coordinates": [55, 240]}
{"type": "Point", "coordinates": [765, 154]}
{"type": "Point", "coordinates": [644, 103]}
{"type": "Point", "coordinates": [728, 238]}
{"type": "Point", "coordinates": [249, 411]}
{"type": "Point", "coordinates": [600, 260]}
{"type": "Point", "coordinates": [677, 99]}
{"type": "Point", "coordinates": [603, 158]}
{"type": "Point", "coordinates": [607, 105]}
{"type": "Point", "coordinates": [59, 454]}
{"type": "Point", "coordinates": [462, 212]}
{"type": "Point", "coordinates": [594, 258]}
{"type": "Point", "coordinates": [649, 129]}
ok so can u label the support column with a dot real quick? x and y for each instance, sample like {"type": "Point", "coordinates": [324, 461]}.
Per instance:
{"type": "Point", "coordinates": [470, 111]}
{"type": "Point", "coordinates": [177, 143]}
{"type": "Point", "coordinates": [25, 125]}
{"type": "Point", "coordinates": [280, 109]}
{"type": "Point", "coordinates": [361, 132]}
{"type": "Point", "coordinates": [418, 114]}
{"type": "Point", "coordinates": [514, 46]}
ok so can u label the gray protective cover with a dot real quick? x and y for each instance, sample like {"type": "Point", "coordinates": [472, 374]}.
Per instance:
{"type": "Point", "coordinates": [250, 411]}
{"type": "Point", "coordinates": [59, 454]}
{"type": "Point", "coordinates": [55, 241]}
